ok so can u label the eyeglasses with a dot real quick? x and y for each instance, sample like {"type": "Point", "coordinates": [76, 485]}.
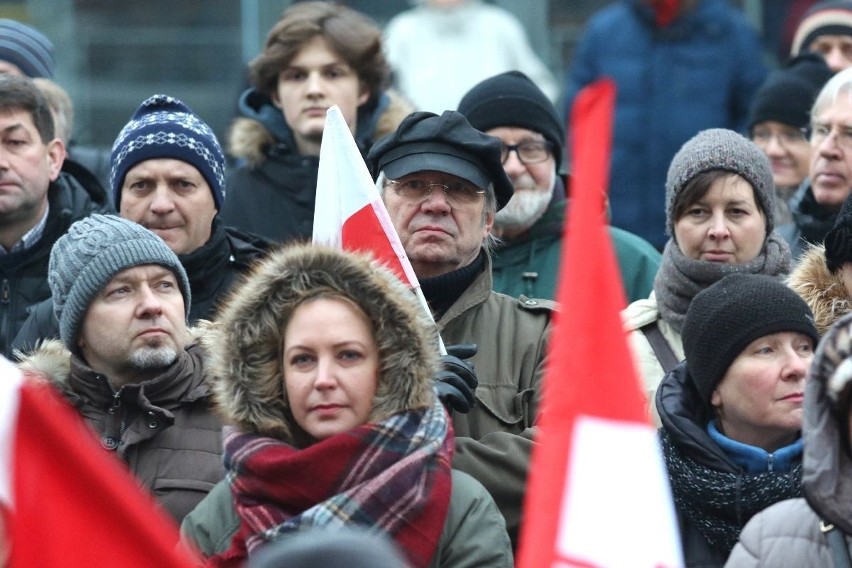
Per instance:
{"type": "Point", "coordinates": [786, 138]}
{"type": "Point", "coordinates": [455, 192]}
{"type": "Point", "coordinates": [843, 135]}
{"type": "Point", "coordinates": [529, 151]}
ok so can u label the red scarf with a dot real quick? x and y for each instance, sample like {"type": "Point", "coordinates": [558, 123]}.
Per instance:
{"type": "Point", "coordinates": [392, 476]}
{"type": "Point", "coordinates": [665, 11]}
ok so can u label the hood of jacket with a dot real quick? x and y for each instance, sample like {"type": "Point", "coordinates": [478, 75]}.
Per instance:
{"type": "Point", "coordinates": [827, 478]}
{"type": "Point", "coordinates": [263, 126]}
{"type": "Point", "coordinates": [822, 290]}
{"type": "Point", "coordinates": [245, 341]}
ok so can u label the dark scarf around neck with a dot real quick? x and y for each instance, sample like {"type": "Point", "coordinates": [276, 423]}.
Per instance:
{"type": "Point", "coordinates": [680, 278]}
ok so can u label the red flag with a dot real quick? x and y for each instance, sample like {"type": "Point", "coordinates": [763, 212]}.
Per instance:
{"type": "Point", "coordinates": [349, 211]}
{"type": "Point", "coordinates": [67, 502]}
{"type": "Point", "coordinates": [598, 494]}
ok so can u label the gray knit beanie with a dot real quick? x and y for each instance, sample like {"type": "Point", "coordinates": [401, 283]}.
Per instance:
{"type": "Point", "coordinates": [721, 149]}
{"type": "Point", "coordinates": [90, 254]}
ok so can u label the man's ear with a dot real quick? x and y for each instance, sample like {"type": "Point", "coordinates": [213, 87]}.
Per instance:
{"type": "Point", "coordinates": [55, 157]}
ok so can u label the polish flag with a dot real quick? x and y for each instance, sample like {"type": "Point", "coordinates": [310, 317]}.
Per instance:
{"type": "Point", "coordinates": [598, 493]}
{"type": "Point", "coordinates": [65, 501]}
{"type": "Point", "coordinates": [349, 211]}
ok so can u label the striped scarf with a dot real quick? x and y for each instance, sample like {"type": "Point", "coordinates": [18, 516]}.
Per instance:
{"type": "Point", "coordinates": [391, 476]}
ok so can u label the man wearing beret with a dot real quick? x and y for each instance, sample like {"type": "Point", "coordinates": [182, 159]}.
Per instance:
{"type": "Point", "coordinates": [442, 182]}
{"type": "Point", "coordinates": [168, 175]}
{"type": "Point", "coordinates": [126, 360]}
{"type": "Point", "coordinates": [512, 108]}
{"type": "Point", "coordinates": [38, 200]}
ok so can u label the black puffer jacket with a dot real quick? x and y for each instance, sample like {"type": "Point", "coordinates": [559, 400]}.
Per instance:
{"type": "Point", "coordinates": [211, 269]}
{"type": "Point", "coordinates": [23, 275]}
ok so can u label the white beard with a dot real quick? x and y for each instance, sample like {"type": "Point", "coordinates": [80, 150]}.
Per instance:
{"type": "Point", "coordinates": [523, 210]}
{"type": "Point", "coordinates": [151, 357]}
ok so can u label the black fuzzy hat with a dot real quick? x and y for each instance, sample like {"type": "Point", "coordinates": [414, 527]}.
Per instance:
{"type": "Point", "coordinates": [838, 240]}
{"type": "Point", "coordinates": [725, 317]}
{"type": "Point", "coordinates": [789, 93]}
{"type": "Point", "coordinates": [512, 99]}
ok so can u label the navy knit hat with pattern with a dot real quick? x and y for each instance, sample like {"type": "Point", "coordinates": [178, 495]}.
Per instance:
{"type": "Point", "coordinates": [725, 317]}
{"type": "Point", "coordinates": [90, 254]}
{"type": "Point", "coordinates": [164, 127]}
{"type": "Point", "coordinates": [823, 18]}
{"type": "Point", "coordinates": [26, 48]}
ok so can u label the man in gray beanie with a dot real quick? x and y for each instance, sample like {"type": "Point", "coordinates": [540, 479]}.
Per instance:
{"type": "Point", "coordinates": [127, 361]}
{"type": "Point", "coordinates": [512, 108]}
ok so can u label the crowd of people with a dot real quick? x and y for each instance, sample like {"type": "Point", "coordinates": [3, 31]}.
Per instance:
{"type": "Point", "coordinates": [276, 397]}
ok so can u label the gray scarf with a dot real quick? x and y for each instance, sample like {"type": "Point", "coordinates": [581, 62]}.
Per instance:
{"type": "Point", "coordinates": [680, 278]}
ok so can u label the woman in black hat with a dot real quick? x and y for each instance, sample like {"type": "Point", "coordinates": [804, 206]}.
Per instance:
{"type": "Point", "coordinates": [732, 411]}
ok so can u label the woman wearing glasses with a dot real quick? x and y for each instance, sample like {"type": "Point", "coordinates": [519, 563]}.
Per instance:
{"type": "Point", "coordinates": [721, 218]}
{"type": "Point", "coordinates": [818, 200]}
{"type": "Point", "coordinates": [778, 123]}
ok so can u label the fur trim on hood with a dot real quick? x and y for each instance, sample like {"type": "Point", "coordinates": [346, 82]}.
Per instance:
{"type": "Point", "coordinates": [249, 138]}
{"type": "Point", "coordinates": [245, 341]}
{"type": "Point", "coordinates": [822, 290]}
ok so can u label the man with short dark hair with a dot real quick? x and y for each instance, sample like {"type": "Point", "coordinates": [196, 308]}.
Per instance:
{"type": "Point", "coordinates": [38, 201]}
{"type": "Point", "coordinates": [442, 181]}
{"type": "Point", "coordinates": [127, 361]}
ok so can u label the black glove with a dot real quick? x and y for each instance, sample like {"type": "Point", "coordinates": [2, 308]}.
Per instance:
{"type": "Point", "coordinates": [456, 380]}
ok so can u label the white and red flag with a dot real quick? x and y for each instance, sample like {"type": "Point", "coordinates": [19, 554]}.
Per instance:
{"type": "Point", "coordinates": [65, 501]}
{"type": "Point", "coordinates": [598, 494]}
{"type": "Point", "coordinates": [349, 211]}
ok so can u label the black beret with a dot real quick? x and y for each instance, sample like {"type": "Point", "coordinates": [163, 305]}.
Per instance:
{"type": "Point", "coordinates": [445, 143]}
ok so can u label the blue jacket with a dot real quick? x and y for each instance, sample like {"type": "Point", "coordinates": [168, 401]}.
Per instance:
{"type": "Point", "coordinates": [699, 72]}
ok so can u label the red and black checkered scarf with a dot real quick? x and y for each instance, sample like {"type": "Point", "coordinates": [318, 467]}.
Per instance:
{"type": "Point", "coordinates": [392, 476]}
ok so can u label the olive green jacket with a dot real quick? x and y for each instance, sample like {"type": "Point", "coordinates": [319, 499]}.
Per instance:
{"type": "Point", "coordinates": [494, 440]}
{"type": "Point", "coordinates": [474, 534]}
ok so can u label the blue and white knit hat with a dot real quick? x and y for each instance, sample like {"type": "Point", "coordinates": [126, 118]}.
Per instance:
{"type": "Point", "coordinates": [164, 127]}
{"type": "Point", "coordinates": [26, 48]}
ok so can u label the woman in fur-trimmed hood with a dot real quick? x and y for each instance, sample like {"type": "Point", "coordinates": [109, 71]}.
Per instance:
{"type": "Point", "coordinates": [274, 335]}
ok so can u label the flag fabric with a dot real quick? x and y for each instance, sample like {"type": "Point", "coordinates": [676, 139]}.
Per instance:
{"type": "Point", "coordinates": [65, 501]}
{"type": "Point", "coordinates": [349, 211]}
{"type": "Point", "coordinates": [598, 494]}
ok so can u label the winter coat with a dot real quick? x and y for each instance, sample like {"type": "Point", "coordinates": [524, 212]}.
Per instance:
{"type": "Point", "coordinates": [823, 291]}
{"type": "Point", "coordinates": [245, 343]}
{"type": "Point", "coordinates": [212, 270]}
{"type": "Point", "coordinates": [471, 537]}
{"type": "Point", "coordinates": [662, 76]}
{"type": "Point", "coordinates": [685, 419]}
{"type": "Point", "coordinates": [635, 316]}
{"type": "Point", "coordinates": [811, 221]}
{"type": "Point", "coordinates": [163, 428]}
{"type": "Point", "coordinates": [494, 440]}
{"type": "Point", "coordinates": [789, 534]}
{"type": "Point", "coordinates": [272, 192]}
{"type": "Point", "coordinates": [529, 264]}
{"type": "Point", "coordinates": [23, 274]}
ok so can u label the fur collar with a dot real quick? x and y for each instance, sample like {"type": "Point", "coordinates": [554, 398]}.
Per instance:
{"type": "Point", "coordinates": [823, 291]}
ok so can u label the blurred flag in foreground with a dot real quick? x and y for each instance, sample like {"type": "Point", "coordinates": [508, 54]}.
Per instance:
{"type": "Point", "coordinates": [598, 493]}
{"type": "Point", "coordinates": [65, 501]}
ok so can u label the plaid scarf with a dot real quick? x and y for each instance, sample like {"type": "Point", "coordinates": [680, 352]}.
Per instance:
{"type": "Point", "coordinates": [392, 476]}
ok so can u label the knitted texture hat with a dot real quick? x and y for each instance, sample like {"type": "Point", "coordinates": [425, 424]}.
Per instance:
{"type": "Point", "coordinates": [512, 99]}
{"type": "Point", "coordinates": [164, 127]}
{"type": "Point", "coordinates": [838, 240]}
{"type": "Point", "coordinates": [725, 317]}
{"type": "Point", "coordinates": [26, 48]}
{"type": "Point", "coordinates": [823, 18]}
{"type": "Point", "coordinates": [90, 254]}
{"type": "Point", "coordinates": [788, 94]}
{"type": "Point", "coordinates": [721, 149]}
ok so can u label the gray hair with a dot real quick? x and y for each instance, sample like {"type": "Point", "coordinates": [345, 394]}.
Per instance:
{"type": "Point", "coordinates": [831, 91]}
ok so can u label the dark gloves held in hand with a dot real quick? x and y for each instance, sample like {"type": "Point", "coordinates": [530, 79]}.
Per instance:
{"type": "Point", "coordinates": [456, 380]}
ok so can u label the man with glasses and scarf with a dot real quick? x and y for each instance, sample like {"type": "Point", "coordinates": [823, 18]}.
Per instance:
{"type": "Point", "coordinates": [442, 182]}
{"type": "Point", "coordinates": [509, 106]}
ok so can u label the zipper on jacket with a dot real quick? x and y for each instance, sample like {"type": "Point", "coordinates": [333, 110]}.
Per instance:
{"type": "Point", "coordinates": [770, 462]}
{"type": "Point", "coordinates": [7, 292]}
